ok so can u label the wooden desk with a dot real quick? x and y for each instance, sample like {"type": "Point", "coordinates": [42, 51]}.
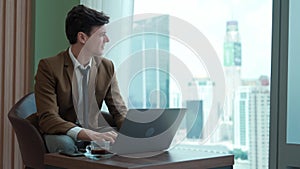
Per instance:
{"type": "Point", "coordinates": [174, 159]}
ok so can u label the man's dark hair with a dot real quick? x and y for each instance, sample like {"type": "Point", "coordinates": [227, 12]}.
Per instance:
{"type": "Point", "coordinates": [83, 19]}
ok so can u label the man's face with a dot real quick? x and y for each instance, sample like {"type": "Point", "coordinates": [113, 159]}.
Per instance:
{"type": "Point", "coordinates": [96, 41]}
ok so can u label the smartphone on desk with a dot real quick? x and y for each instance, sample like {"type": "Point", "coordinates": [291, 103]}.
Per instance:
{"type": "Point", "coordinates": [72, 154]}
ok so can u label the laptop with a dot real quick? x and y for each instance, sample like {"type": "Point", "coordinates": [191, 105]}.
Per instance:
{"type": "Point", "coordinates": [146, 132]}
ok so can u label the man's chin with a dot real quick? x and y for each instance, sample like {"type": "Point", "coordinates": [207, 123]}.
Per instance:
{"type": "Point", "coordinates": [98, 54]}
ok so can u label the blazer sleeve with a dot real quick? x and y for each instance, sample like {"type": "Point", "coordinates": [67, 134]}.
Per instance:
{"type": "Point", "coordinates": [49, 119]}
{"type": "Point", "coordinates": [114, 100]}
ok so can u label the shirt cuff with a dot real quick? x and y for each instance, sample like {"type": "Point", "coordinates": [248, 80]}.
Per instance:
{"type": "Point", "coordinates": [73, 132]}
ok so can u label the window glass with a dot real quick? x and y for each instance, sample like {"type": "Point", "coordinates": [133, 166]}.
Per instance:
{"type": "Point", "coordinates": [240, 33]}
{"type": "Point", "coordinates": [293, 107]}
{"type": "Point", "coordinates": [156, 69]}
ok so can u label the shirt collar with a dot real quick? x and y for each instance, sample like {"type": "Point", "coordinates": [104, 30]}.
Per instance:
{"type": "Point", "coordinates": [75, 61]}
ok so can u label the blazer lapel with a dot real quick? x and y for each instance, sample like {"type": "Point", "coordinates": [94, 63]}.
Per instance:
{"type": "Point", "coordinates": [69, 69]}
{"type": "Point", "coordinates": [93, 106]}
{"type": "Point", "coordinates": [92, 78]}
{"type": "Point", "coordinates": [68, 65]}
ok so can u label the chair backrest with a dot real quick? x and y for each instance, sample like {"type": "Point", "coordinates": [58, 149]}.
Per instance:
{"type": "Point", "coordinates": [30, 141]}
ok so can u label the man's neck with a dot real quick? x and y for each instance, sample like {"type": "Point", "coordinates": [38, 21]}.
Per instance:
{"type": "Point", "coordinates": [76, 49]}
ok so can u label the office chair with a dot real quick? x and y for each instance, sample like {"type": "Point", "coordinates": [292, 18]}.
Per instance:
{"type": "Point", "coordinates": [31, 142]}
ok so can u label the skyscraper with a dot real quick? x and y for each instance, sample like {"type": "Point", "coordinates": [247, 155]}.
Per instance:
{"type": "Point", "coordinates": [232, 65]}
{"type": "Point", "coordinates": [259, 115]}
{"type": "Point", "coordinates": [232, 46]}
{"type": "Point", "coordinates": [251, 124]}
{"type": "Point", "coordinates": [194, 119]}
{"type": "Point", "coordinates": [241, 119]}
{"type": "Point", "coordinates": [149, 88]}
{"type": "Point", "coordinates": [204, 97]}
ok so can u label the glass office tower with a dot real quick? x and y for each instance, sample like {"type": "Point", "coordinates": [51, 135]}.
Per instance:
{"type": "Point", "coordinates": [149, 87]}
{"type": "Point", "coordinates": [232, 66]}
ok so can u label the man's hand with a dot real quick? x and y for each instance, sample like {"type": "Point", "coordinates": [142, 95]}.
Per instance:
{"type": "Point", "coordinates": [89, 135]}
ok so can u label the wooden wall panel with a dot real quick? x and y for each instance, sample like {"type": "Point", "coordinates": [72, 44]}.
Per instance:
{"type": "Point", "coordinates": [16, 57]}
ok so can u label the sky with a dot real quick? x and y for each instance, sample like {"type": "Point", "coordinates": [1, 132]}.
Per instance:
{"type": "Point", "coordinates": [210, 16]}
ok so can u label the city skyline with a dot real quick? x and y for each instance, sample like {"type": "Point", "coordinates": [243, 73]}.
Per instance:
{"type": "Point", "coordinates": [255, 47]}
{"type": "Point", "coordinates": [239, 110]}
{"type": "Point", "coordinates": [255, 33]}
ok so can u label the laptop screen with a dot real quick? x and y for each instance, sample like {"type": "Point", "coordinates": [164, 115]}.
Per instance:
{"type": "Point", "coordinates": [151, 122]}
{"type": "Point", "coordinates": [149, 131]}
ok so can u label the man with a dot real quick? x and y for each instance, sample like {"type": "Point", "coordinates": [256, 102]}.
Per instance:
{"type": "Point", "coordinates": [61, 100]}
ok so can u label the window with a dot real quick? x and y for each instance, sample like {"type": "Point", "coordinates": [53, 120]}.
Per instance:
{"type": "Point", "coordinates": [156, 69]}
{"type": "Point", "coordinates": [240, 32]}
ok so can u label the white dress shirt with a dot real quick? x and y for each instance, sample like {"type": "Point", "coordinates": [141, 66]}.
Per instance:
{"type": "Point", "coordinates": [73, 132]}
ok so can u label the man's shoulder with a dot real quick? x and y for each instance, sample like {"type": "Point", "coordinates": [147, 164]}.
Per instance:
{"type": "Point", "coordinates": [57, 58]}
{"type": "Point", "coordinates": [104, 62]}
{"type": "Point", "coordinates": [54, 63]}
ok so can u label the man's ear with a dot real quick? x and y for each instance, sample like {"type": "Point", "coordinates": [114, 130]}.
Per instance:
{"type": "Point", "coordinates": [82, 37]}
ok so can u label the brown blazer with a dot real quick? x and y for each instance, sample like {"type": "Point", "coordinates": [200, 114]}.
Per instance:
{"type": "Point", "coordinates": [53, 92]}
